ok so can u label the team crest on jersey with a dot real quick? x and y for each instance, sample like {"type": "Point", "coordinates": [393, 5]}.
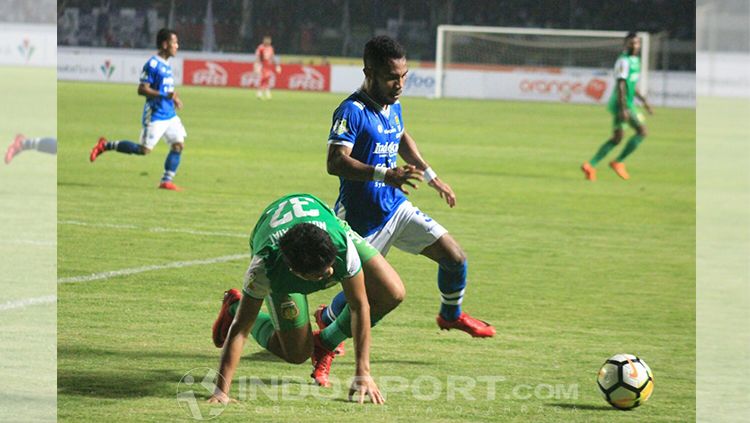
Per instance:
{"type": "Point", "coordinates": [289, 310]}
{"type": "Point", "coordinates": [339, 127]}
{"type": "Point", "coordinates": [398, 121]}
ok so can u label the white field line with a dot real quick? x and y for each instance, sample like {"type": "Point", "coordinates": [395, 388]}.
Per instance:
{"type": "Point", "coordinates": [41, 243]}
{"type": "Point", "coordinates": [26, 302]}
{"type": "Point", "coordinates": [154, 230]}
{"type": "Point", "coordinates": [134, 270]}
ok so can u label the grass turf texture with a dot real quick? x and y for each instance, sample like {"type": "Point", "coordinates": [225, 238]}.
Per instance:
{"type": "Point", "coordinates": [27, 248]}
{"type": "Point", "coordinates": [570, 272]}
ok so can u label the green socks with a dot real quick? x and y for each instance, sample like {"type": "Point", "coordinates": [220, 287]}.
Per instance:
{"type": "Point", "coordinates": [263, 329]}
{"type": "Point", "coordinates": [602, 153]}
{"type": "Point", "coordinates": [632, 144]}
{"type": "Point", "coordinates": [341, 329]}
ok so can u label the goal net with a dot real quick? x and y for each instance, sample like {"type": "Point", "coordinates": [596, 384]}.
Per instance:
{"type": "Point", "coordinates": [530, 64]}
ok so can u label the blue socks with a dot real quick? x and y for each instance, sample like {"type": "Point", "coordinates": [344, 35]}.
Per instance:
{"type": "Point", "coordinates": [45, 145]}
{"type": "Point", "coordinates": [127, 147]}
{"type": "Point", "coordinates": [452, 284]}
{"type": "Point", "coordinates": [170, 165]}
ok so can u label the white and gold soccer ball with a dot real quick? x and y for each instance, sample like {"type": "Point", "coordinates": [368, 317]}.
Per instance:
{"type": "Point", "coordinates": [626, 381]}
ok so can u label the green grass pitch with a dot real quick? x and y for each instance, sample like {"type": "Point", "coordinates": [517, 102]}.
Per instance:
{"type": "Point", "coordinates": [570, 272]}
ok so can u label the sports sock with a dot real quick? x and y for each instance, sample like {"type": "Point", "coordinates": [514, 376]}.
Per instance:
{"type": "Point", "coordinates": [124, 146]}
{"type": "Point", "coordinates": [334, 309]}
{"type": "Point", "coordinates": [452, 284]}
{"type": "Point", "coordinates": [263, 329]}
{"type": "Point", "coordinates": [170, 165]}
{"type": "Point", "coordinates": [630, 147]}
{"type": "Point", "coordinates": [341, 329]}
{"type": "Point", "coordinates": [47, 145]}
{"type": "Point", "coordinates": [603, 151]}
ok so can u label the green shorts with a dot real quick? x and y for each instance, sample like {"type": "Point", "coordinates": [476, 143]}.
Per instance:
{"type": "Point", "coordinates": [290, 311]}
{"type": "Point", "coordinates": [635, 121]}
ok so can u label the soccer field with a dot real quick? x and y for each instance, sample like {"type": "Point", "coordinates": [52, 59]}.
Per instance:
{"type": "Point", "coordinates": [570, 272]}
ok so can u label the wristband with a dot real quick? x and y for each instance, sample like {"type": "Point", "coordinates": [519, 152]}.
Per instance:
{"type": "Point", "coordinates": [429, 175]}
{"type": "Point", "coordinates": [379, 173]}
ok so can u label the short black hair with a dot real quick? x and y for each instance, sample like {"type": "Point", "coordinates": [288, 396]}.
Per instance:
{"type": "Point", "coordinates": [631, 34]}
{"type": "Point", "coordinates": [163, 35]}
{"type": "Point", "coordinates": [379, 50]}
{"type": "Point", "coordinates": [307, 249]}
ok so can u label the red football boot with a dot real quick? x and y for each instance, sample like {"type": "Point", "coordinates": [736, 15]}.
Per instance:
{"type": "Point", "coordinates": [222, 323]}
{"type": "Point", "coordinates": [14, 148]}
{"type": "Point", "coordinates": [98, 149]}
{"type": "Point", "coordinates": [322, 325]}
{"type": "Point", "coordinates": [468, 324]}
{"type": "Point", "coordinates": [170, 186]}
{"type": "Point", "coordinates": [321, 360]}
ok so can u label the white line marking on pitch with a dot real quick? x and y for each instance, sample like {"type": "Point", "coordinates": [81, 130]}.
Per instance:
{"type": "Point", "coordinates": [12, 305]}
{"type": "Point", "coordinates": [134, 270]}
{"type": "Point", "coordinates": [155, 230]}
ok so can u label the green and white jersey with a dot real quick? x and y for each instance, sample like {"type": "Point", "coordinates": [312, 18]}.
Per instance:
{"type": "Point", "coordinates": [268, 273]}
{"type": "Point", "coordinates": [628, 68]}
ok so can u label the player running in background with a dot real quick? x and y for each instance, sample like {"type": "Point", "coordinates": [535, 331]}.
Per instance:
{"type": "Point", "coordinates": [299, 246]}
{"type": "Point", "coordinates": [159, 116]}
{"type": "Point", "coordinates": [624, 112]}
{"type": "Point", "coordinates": [366, 138]}
{"type": "Point", "coordinates": [21, 143]}
{"type": "Point", "coordinates": [265, 64]}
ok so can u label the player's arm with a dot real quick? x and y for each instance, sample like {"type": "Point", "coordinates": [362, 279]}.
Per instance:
{"type": "Point", "coordinates": [643, 100]}
{"type": "Point", "coordinates": [621, 99]}
{"type": "Point", "coordinates": [408, 151]}
{"type": "Point", "coordinates": [341, 163]}
{"type": "Point", "coordinates": [177, 100]}
{"type": "Point", "coordinates": [145, 90]}
{"type": "Point", "coordinates": [356, 297]}
{"type": "Point", "coordinates": [247, 312]}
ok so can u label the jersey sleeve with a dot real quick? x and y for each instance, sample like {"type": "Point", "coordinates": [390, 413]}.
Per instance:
{"type": "Point", "coordinates": [622, 66]}
{"type": "Point", "coordinates": [256, 284]}
{"type": "Point", "coordinates": [347, 120]}
{"type": "Point", "coordinates": [353, 262]}
{"type": "Point", "coordinates": [149, 71]}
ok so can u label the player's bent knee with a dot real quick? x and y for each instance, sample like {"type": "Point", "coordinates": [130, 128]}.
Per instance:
{"type": "Point", "coordinates": [642, 131]}
{"type": "Point", "coordinates": [297, 357]}
{"type": "Point", "coordinates": [177, 147]}
{"type": "Point", "coordinates": [145, 150]}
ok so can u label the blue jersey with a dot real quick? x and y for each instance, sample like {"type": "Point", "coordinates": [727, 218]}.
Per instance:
{"type": "Point", "coordinates": [373, 132]}
{"type": "Point", "coordinates": [157, 74]}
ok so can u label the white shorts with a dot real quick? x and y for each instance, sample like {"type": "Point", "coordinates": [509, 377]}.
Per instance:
{"type": "Point", "coordinates": [408, 230]}
{"type": "Point", "coordinates": [171, 129]}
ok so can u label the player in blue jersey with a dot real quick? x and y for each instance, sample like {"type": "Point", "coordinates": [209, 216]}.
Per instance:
{"type": "Point", "coordinates": [21, 143]}
{"type": "Point", "coordinates": [159, 116]}
{"type": "Point", "coordinates": [366, 138]}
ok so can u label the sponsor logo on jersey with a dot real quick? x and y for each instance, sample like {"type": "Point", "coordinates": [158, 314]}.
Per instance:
{"type": "Point", "coordinates": [289, 310]}
{"type": "Point", "coordinates": [387, 148]}
{"type": "Point", "coordinates": [213, 74]}
{"type": "Point", "coordinates": [339, 127]}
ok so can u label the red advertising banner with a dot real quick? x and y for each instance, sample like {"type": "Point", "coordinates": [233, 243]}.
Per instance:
{"type": "Point", "coordinates": [240, 74]}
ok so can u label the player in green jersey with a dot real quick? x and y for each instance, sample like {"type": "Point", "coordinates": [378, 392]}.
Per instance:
{"type": "Point", "coordinates": [299, 246]}
{"type": "Point", "coordinates": [622, 107]}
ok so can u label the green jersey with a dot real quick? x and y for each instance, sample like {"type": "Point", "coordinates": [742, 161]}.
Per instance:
{"type": "Point", "coordinates": [269, 273]}
{"type": "Point", "coordinates": [627, 68]}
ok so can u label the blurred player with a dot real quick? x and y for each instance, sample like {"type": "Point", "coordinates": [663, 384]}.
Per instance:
{"type": "Point", "coordinates": [21, 143]}
{"type": "Point", "coordinates": [265, 63]}
{"type": "Point", "coordinates": [159, 117]}
{"type": "Point", "coordinates": [299, 247]}
{"type": "Point", "coordinates": [366, 138]}
{"type": "Point", "coordinates": [624, 113]}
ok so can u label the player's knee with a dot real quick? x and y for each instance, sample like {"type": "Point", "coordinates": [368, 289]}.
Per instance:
{"type": "Point", "coordinates": [397, 296]}
{"type": "Point", "coordinates": [642, 131]}
{"type": "Point", "coordinates": [177, 147]}
{"type": "Point", "coordinates": [145, 150]}
{"type": "Point", "coordinates": [297, 357]}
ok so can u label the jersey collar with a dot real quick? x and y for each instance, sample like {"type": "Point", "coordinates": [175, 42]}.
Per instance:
{"type": "Point", "coordinates": [384, 109]}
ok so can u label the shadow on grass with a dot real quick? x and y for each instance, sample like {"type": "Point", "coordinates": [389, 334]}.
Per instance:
{"type": "Point", "coordinates": [117, 384]}
{"type": "Point", "coordinates": [582, 406]}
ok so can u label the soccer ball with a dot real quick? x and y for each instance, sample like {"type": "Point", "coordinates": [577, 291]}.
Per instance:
{"type": "Point", "coordinates": [626, 381]}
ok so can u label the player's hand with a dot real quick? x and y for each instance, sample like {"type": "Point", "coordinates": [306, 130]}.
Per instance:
{"type": "Point", "coordinates": [648, 108]}
{"type": "Point", "coordinates": [177, 102]}
{"type": "Point", "coordinates": [404, 175]}
{"type": "Point", "coordinates": [445, 191]}
{"type": "Point", "coordinates": [364, 385]}
{"type": "Point", "coordinates": [624, 115]}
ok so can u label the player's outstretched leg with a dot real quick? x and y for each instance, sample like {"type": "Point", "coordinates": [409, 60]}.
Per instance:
{"type": "Point", "coordinates": [452, 270]}
{"type": "Point", "coordinates": [123, 146]}
{"type": "Point", "coordinates": [170, 168]}
{"type": "Point", "coordinates": [21, 143]}
{"type": "Point", "coordinates": [617, 165]}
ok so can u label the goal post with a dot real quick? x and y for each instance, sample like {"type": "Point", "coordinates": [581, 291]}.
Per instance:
{"type": "Point", "coordinates": [507, 50]}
